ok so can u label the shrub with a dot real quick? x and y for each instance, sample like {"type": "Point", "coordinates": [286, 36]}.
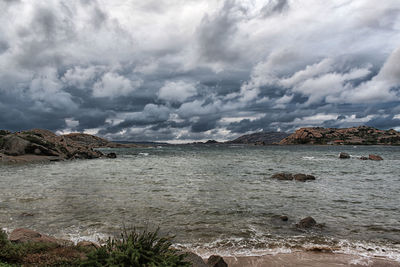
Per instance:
{"type": "Point", "coordinates": [136, 249]}
{"type": "Point", "coordinates": [14, 253]}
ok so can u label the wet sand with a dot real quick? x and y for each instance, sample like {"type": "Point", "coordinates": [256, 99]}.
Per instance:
{"type": "Point", "coordinates": [309, 259]}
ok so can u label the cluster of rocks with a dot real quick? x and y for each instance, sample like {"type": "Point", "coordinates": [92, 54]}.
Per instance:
{"type": "Point", "coordinates": [344, 155]}
{"type": "Point", "coordinates": [297, 177]}
{"type": "Point", "coordinates": [39, 144]}
{"type": "Point", "coordinates": [362, 135]}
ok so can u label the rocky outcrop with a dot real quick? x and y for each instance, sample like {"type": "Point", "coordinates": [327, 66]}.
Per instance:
{"type": "Point", "coordinates": [40, 142]}
{"type": "Point", "coordinates": [93, 141]}
{"type": "Point", "coordinates": [288, 176]}
{"type": "Point", "coordinates": [262, 138]}
{"type": "Point", "coordinates": [44, 145]}
{"type": "Point", "coordinates": [362, 135]}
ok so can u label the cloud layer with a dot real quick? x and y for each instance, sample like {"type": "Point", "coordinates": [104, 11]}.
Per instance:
{"type": "Point", "coordinates": [191, 70]}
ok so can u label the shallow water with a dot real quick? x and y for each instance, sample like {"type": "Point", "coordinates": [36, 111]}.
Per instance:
{"type": "Point", "coordinates": [215, 199]}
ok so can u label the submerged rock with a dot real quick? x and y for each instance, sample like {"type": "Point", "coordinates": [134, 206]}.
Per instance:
{"type": "Point", "coordinates": [344, 155]}
{"type": "Point", "coordinates": [307, 222]}
{"type": "Point", "coordinates": [363, 158]}
{"type": "Point", "coordinates": [216, 261]}
{"type": "Point", "coordinates": [303, 177]}
{"type": "Point", "coordinates": [375, 157]}
{"type": "Point", "coordinates": [282, 176]}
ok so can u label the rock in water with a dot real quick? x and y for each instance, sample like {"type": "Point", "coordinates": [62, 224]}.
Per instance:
{"type": "Point", "coordinates": [375, 157]}
{"type": "Point", "coordinates": [282, 176]}
{"type": "Point", "coordinates": [363, 158]}
{"type": "Point", "coordinates": [284, 218]}
{"type": "Point", "coordinates": [307, 222]}
{"type": "Point", "coordinates": [112, 155]}
{"type": "Point", "coordinates": [303, 177]}
{"type": "Point", "coordinates": [344, 155]}
{"type": "Point", "coordinates": [216, 261]}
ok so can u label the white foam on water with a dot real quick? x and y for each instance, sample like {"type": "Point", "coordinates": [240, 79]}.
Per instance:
{"type": "Point", "coordinates": [366, 249]}
{"type": "Point", "coordinates": [237, 247]}
{"type": "Point", "coordinates": [143, 154]}
{"type": "Point", "coordinates": [94, 237]}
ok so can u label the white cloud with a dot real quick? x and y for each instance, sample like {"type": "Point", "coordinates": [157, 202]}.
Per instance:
{"type": "Point", "coordinates": [114, 85]}
{"type": "Point", "coordinates": [177, 91]}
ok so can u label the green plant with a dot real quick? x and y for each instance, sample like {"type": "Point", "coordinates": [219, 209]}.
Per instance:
{"type": "Point", "coordinates": [14, 253]}
{"type": "Point", "coordinates": [136, 249]}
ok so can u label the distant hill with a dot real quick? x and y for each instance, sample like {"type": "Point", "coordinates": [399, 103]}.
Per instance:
{"type": "Point", "coordinates": [362, 135]}
{"type": "Point", "coordinates": [261, 138]}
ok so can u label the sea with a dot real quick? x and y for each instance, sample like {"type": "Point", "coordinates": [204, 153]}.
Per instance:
{"type": "Point", "coordinates": [215, 199]}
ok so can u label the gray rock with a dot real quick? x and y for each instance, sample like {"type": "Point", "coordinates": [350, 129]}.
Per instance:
{"type": "Point", "coordinates": [344, 155]}
{"type": "Point", "coordinates": [15, 145]}
{"type": "Point", "coordinates": [307, 222]}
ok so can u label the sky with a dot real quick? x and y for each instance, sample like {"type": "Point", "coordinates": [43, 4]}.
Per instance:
{"type": "Point", "coordinates": [185, 70]}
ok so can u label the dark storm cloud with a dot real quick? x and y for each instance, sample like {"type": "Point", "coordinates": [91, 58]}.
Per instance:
{"type": "Point", "coordinates": [216, 32]}
{"type": "Point", "coordinates": [173, 70]}
{"type": "Point", "coordinates": [274, 6]}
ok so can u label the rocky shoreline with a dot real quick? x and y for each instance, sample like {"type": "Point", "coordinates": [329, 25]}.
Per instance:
{"type": "Point", "coordinates": [362, 135]}
{"type": "Point", "coordinates": [38, 145]}
{"type": "Point", "coordinates": [44, 250]}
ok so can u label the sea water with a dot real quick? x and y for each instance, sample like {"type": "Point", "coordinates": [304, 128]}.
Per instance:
{"type": "Point", "coordinates": [215, 198]}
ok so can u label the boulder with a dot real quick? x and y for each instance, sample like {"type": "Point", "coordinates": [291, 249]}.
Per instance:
{"type": "Point", "coordinates": [363, 158]}
{"type": "Point", "coordinates": [375, 157]}
{"type": "Point", "coordinates": [22, 235]}
{"type": "Point", "coordinates": [111, 155]}
{"type": "Point", "coordinates": [307, 222]}
{"type": "Point", "coordinates": [194, 259]}
{"type": "Point", "coordinates": [303, 177]}
{"type": "Point", "coordinates": [216, 261]}
{"type": "Point", "coordinates": [282, 176]}
{"type": "Point", "coordinates": [14, 145]}
{"type": "Point", "coordinates": [344, 155]}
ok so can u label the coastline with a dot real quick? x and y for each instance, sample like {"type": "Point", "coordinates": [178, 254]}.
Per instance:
{"type": "Point", "coordinates": [309, 259]}
{"type": "Point", "coordinates": [70, 251]}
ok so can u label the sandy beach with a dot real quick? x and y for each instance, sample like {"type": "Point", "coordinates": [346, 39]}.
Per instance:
{"type": "Point", "coordinates": [308, 259]}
